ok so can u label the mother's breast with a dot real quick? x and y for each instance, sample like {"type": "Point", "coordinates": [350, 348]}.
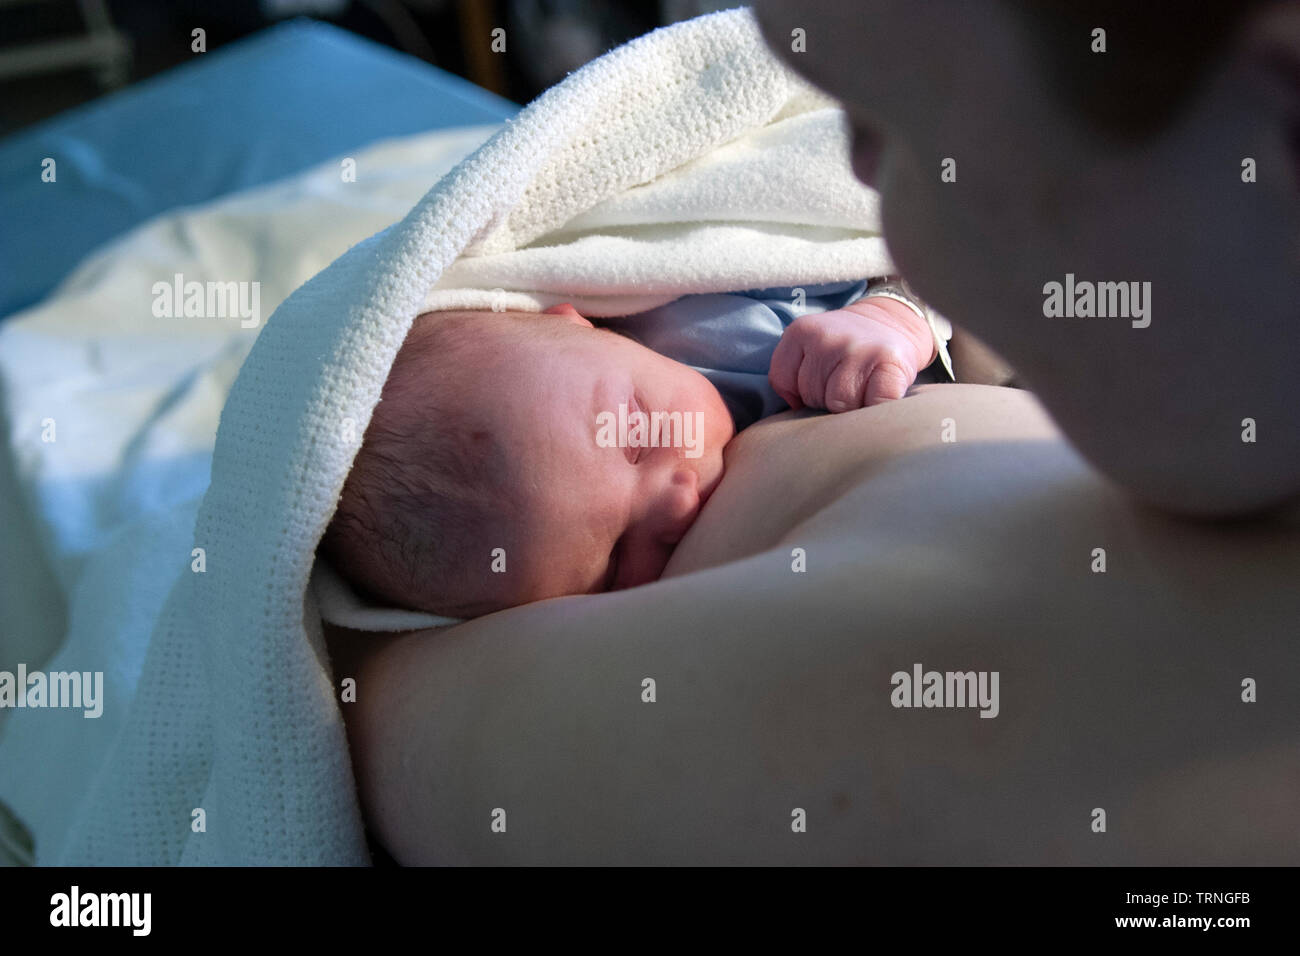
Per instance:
{"type": "Point", "coordinates": [786, 469]}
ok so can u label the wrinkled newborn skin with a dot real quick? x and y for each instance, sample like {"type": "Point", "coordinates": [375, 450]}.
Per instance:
{"type": "Point", "coordinates": [587, 518]}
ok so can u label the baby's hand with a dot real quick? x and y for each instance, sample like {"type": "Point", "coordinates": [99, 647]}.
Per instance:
{"type": "Point", "coordinates": [864, 354]}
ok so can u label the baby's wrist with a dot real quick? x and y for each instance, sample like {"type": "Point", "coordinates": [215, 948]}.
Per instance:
{"type": "Point", "coordinates": [902, 319]}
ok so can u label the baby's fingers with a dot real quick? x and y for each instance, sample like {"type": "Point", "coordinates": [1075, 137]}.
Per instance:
{"type": "Point", "coordinates": [888, 381]}
{"type": "Point", "coordinates": [783, 372]}
{"type": "Point", "coordinates": [845, 386]}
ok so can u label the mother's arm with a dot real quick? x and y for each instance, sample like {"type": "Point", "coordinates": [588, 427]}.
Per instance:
{"type": "Point", "coordinates": [1119, 690]}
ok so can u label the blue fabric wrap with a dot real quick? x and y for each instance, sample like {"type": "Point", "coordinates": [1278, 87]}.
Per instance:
{"type": "Point", "coordinates": [730, 337]}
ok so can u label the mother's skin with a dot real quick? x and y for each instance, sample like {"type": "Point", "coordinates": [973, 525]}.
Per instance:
{"type": "Point", "coordinates": [1040, 194]}
{"type": "Point", "coordinates": [1118, 690]}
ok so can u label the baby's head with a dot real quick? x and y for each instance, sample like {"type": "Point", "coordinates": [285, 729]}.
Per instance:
{"type": "Point", "coordinates": [504, 431]}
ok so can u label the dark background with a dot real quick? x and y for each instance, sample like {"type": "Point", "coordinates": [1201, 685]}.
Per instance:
{"type": "Point", "coordinates": [546, 39]}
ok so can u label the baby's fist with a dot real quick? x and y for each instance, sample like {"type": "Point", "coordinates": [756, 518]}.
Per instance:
{"type": "Point", "coordinates": [850, 358]}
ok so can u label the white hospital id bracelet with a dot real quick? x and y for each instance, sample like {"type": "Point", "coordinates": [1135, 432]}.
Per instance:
{"type": "Point", "coordinates": [893, 287]}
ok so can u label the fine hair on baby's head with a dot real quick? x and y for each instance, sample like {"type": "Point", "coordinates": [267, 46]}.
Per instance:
{"type": "Point", "coordinates": [430, 481]}
{"type": "Point", "coordinates": [489, 476]}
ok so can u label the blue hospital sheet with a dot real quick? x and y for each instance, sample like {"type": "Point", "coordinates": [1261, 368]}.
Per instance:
{"type": "Point", "coordinates": [266, 107]}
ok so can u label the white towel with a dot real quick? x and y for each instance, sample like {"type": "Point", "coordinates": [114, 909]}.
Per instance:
{"type": "Point", "coordinates": [689, 160]}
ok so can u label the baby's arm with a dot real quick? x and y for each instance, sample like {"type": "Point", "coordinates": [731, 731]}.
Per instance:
{"type": "Point", "coordinates": [863, 354]}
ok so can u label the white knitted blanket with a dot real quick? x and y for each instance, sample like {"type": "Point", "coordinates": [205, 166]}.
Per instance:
{"type": "Point", "coordinates": [686, 161]}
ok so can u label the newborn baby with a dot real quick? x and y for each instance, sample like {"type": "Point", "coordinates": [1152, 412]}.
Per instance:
{"type": "Point", "coordinates": [517, 456]}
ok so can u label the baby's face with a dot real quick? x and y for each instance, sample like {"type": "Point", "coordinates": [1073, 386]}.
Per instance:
{"type": "Point", "coordinates": [592, 505]}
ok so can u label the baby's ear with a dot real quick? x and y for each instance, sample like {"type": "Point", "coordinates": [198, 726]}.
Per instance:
{"type": "Point", "coordinates": [567, 311]}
